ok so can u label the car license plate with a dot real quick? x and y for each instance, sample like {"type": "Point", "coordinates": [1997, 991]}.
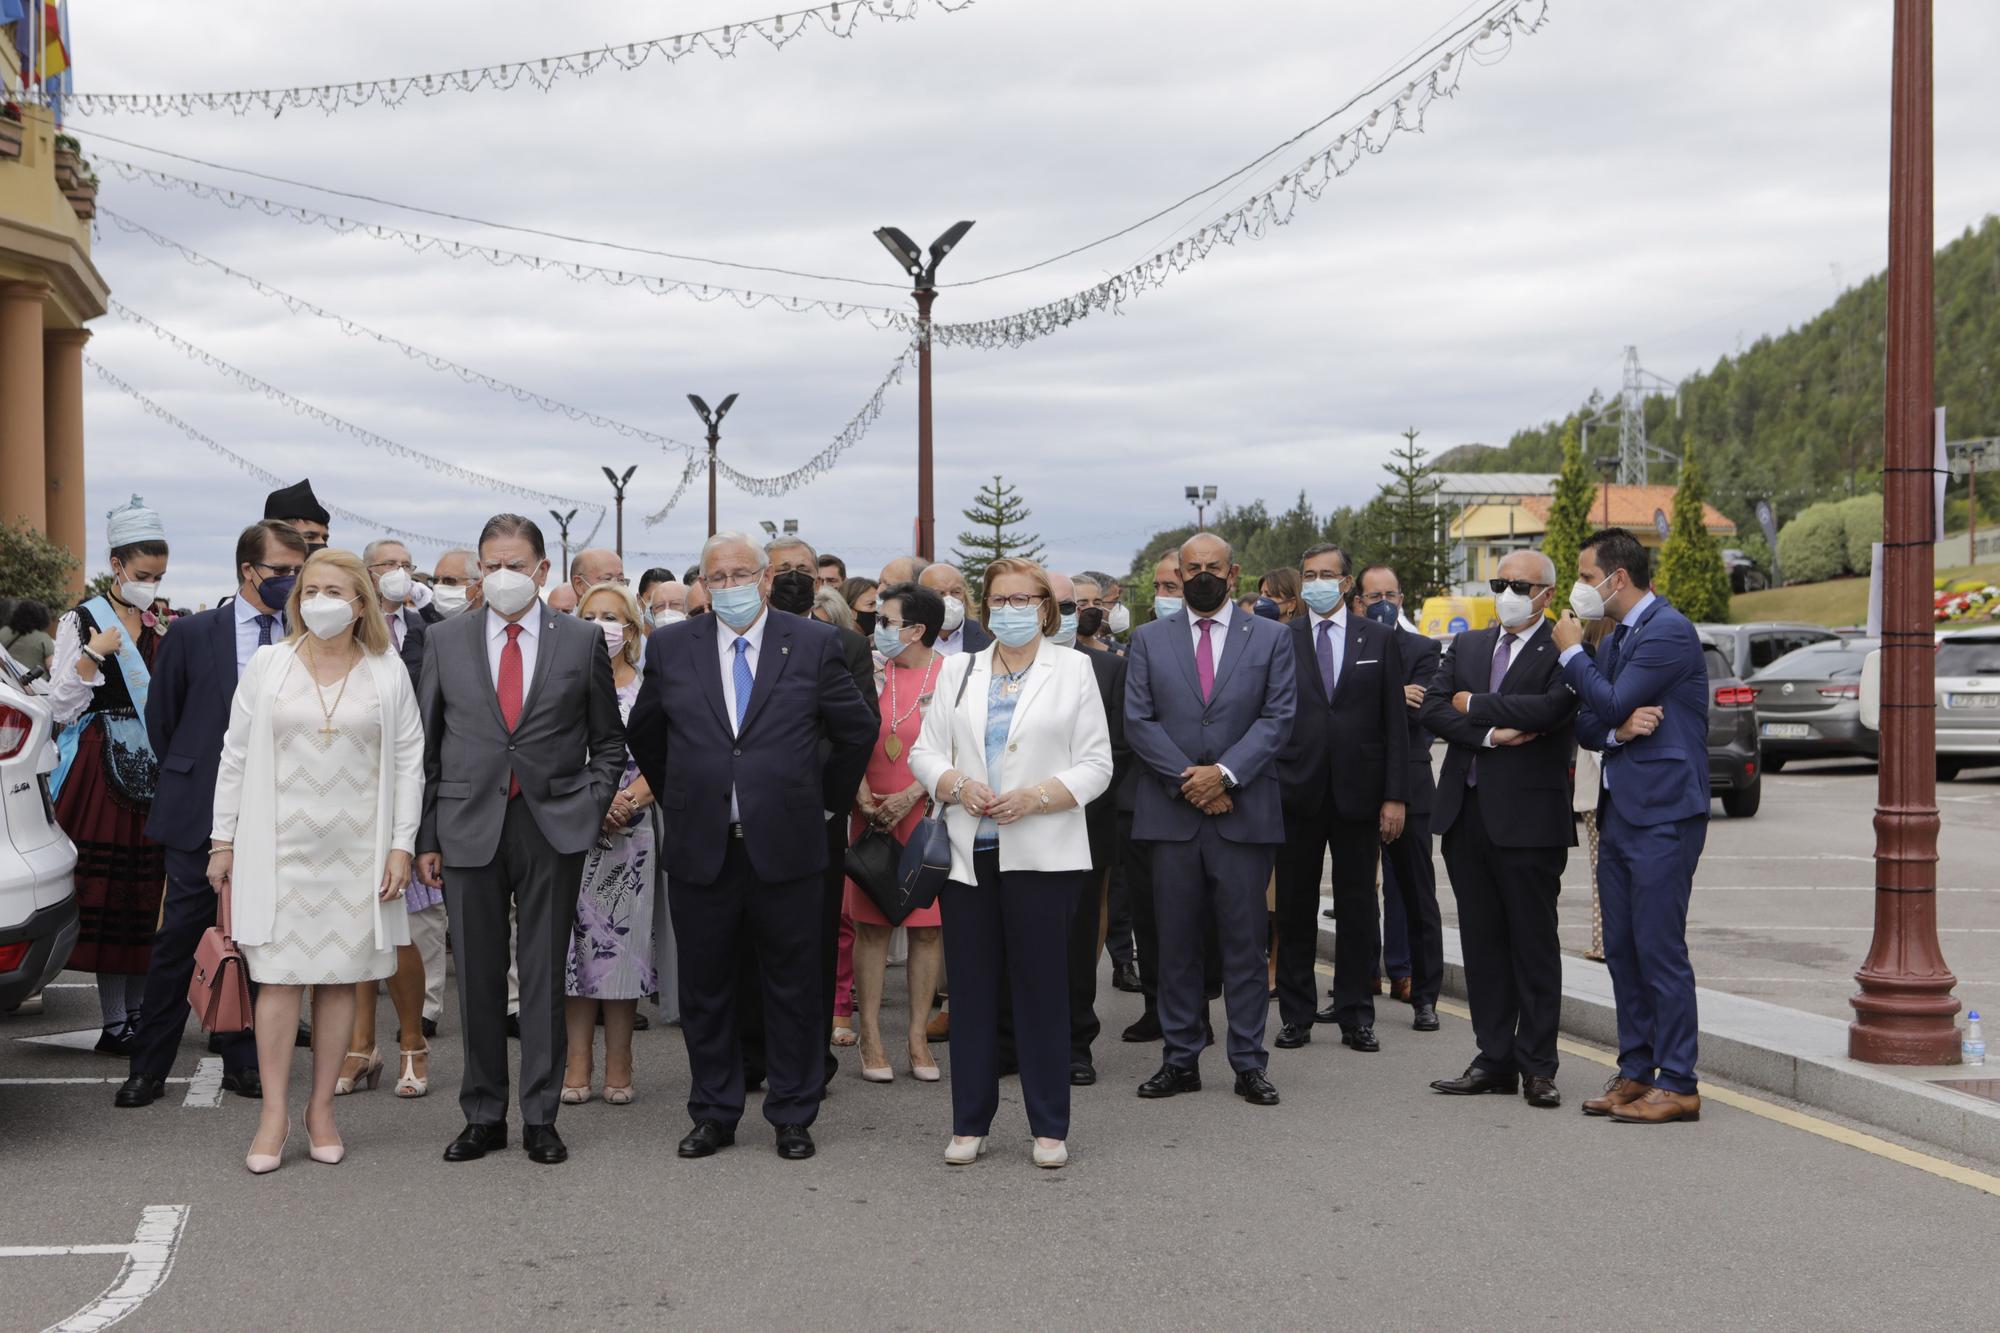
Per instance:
{"type": "Point", "coordinates": [1972, 701]}
{"type": "Point", "coordinates": [1787, 731]}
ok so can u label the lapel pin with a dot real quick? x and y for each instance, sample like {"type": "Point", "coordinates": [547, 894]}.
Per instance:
{"type": "Point", "coordinates": [785, 651]}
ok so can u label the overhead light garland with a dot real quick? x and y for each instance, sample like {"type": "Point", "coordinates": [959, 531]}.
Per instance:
{"type": "Point", "coordinates": [1429, 78]}
{"type": "Point", "coordinates": [268, 478]}
{"type": "Point", "coordinates": [840, 19]}
{"type": "Point", "coordinates": [348, 428]}
{"type": "Point", "coordinates": [688, 473]}
{"type": "Point", "coordinates": [881, 317]}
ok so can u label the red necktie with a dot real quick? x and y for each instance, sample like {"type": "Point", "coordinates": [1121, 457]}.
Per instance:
{"type": "Point", "coordinates": [510, 692]}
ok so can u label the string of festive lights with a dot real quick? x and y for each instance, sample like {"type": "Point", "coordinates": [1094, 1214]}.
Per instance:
{"type": "Point", "coordinates": [881, 317]}
{"type": "Point", "coordinates": [1430, 78]}
{"type": "Point", "coordinates": [659, 516]}
{"type": "Point", "coordinates": [840, 19]}
{"type": "Point", "coordinates": [348, 428]}
{"type": "Point", "coordinates": [268, 478]}
{"type": "Point", "coordinates": [823, 461]}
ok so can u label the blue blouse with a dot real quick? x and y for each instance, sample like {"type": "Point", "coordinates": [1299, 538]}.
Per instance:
{"type": "Point", "coordinates": [999, 720]}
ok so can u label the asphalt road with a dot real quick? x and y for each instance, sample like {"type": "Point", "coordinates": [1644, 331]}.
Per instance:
{"type": "Point", "coordinates": [1363, 1199]}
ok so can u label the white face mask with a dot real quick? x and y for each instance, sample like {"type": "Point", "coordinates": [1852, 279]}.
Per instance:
{"type": "Point", "coordinates": [509, 592]}
{"type": "Point", "coordinates": [137, 595]}
{"type": "Point", "coordinates": [395, 585]}
{"type": "Point", "coordinates": [1119, 620]}
{"type": "Point", "coordinates": [450, 601]}
{"type": "Point", "coordinates": [1586, 600]}
{"type": "Point", "coordinates": [1515, 609]}
{"type": "Point", "coordinates": [326, 615]}
{"type": "Point", "coordinates": [954, 614]}
{"type": "Point", "coordinates": [667, 616]}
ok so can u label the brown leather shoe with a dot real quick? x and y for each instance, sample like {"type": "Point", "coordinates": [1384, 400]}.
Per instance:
{"type": "Point", "coordinates": [939, 1028]}
{"type": "Point", "coordinates": [1399, 989]}
{"type": "Point", "coordinates": [1659, 1107]}
{"type": "Point", "coordinates": [1618, 1090]}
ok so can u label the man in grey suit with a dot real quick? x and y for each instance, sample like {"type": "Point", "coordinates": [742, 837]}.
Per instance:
{"type": "Point", "coordinates": [1209, 699]}
{"type": "Point", "coordinates": [523, 750]}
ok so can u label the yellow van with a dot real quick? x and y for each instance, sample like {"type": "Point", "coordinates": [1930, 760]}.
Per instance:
{"type": "Point", "coordinates": [1443, 617]}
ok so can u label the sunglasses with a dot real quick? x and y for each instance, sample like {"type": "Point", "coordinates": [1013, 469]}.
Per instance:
{"type": "Point", "coordinates": [1067, 608]}
{"type": "Point", "coordinates": [1521, 586]}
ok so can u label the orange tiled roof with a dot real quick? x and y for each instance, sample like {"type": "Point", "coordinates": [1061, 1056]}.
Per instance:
{"type": "Point", "coordinates": [1631, 507]}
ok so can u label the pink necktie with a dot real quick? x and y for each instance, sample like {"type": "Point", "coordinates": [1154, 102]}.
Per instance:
{"type": "Point", "coordinates": [1204, 659]}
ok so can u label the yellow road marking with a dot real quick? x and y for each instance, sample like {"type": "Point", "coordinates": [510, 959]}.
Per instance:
{"type": "Point", "coordinates": [1826, 1129]}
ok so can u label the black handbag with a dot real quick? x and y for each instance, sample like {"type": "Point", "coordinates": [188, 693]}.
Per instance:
{"type": "Point", "coordinates": [872, 863]}
{"type": "Point", "coordinates": [924, 862]}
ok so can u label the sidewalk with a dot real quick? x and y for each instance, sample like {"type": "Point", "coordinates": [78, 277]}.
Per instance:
{"type": "Point", "coordinates": [1784, 1051]}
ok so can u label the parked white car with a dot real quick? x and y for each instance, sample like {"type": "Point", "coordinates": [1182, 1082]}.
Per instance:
{"type": "Point", "coordinates": [1968, 701]}
{"type": "Point", "coordinates": [37, 860]}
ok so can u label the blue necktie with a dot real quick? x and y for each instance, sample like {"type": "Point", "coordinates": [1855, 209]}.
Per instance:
{"type": "Point", "coordinates": [743, 682]}
{"type": "Point", "coordinates": [1617, 643]}
{"type": "Point", "coordinates": [264, 626]}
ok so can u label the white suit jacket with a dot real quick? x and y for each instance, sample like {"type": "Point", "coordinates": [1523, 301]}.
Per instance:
{"type": "Point", "coordinates": [1058, 731]}
{"type": "Point", "coordinates": [246, 795]}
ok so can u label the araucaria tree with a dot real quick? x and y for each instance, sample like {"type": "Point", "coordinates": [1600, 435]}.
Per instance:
{"type": "Point", "coordinates": [995, 516]}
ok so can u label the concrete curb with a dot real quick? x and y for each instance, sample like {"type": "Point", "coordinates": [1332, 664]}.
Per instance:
{"type": "Point", "coordinates": [1784, 1051]}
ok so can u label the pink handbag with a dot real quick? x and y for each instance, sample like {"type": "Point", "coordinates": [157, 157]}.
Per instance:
{"type": "Point", "coordinates": [219, 993]}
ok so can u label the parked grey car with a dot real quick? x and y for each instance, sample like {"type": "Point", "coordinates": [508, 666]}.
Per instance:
{"type": "Point", "coordinates": [1735, 758]}
{"type": "Point", "coordinates": [1968, 701]}
{"type": "Point", "coordinates": [1809, 703]}
{"type": "Point", "coordinates": [1752, 647]}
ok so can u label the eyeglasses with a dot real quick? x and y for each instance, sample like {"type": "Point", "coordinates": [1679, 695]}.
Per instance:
{"type": "Point", "coordinates": [384, 566]}
{"type": "Point", "coordinates": [1523, 587]}
{"type": "Point", "coordinates": [1067, 608]}
{"type": "Point", "coordinates": [896, 626]}
{"type": "Point", "coordinates": [1377, 598]}
{"type": "Point", "coordinates": [278, 571]}
{"type": "Point", "coordinates": [730, 578]}
{"type": "Point", "coordinates": [1019, 601]}
{"type": "Point", "coordinates": [1319, 576]}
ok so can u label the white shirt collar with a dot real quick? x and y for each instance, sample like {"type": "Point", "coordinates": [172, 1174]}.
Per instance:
{"type": "Point", "coordinates": [1220, 616]}
{"type": "Point", "coordinates": [1339, 617]}
{"type": "Point", "coordinates": [246, 613]}
{"type": "Point", "coordinates": [531, 624]}
{"type": "Point", "coordinates": [1522, 636]}
{"type": "Point", "coordinates": [755, 634]}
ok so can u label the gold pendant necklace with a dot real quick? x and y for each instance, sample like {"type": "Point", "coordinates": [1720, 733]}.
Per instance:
{"type": "Point", "coordinates": [312, 665]}
{"type": "Point", "coordinates": [892, 744]}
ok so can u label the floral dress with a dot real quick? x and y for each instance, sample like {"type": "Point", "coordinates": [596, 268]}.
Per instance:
{"type": "Point", "coordinates": [611, 944]}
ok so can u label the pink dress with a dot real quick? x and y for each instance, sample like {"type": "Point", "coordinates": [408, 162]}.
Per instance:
{"type": "Point", "coordinates": [905, 696]}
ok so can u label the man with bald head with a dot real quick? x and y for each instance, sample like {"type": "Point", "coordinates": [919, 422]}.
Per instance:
{"type": "Point", "coordinates": [1209, 698]}
{"type": "Point", "coordinates": [592, 566]}
{"type": "Point", "coordinates": [903, 569]}
{"type": "Point", "coordinates": [1500, 703]}
{"type": "Point", "coordinates": [562, 599]}
{"type": "Point", "coordinates": [962, 633]}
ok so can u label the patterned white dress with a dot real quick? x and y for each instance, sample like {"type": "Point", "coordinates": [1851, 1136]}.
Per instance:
{"type": "Point", "coordinates": [324, 930]}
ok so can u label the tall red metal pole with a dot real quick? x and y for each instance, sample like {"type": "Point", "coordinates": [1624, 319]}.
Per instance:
{"type": "Point", "coordinates": [714, 438]}
{"type": "Point", "coordinates": [1903, 1012]}
{"type": "Point", "coordinates": [926, 514]}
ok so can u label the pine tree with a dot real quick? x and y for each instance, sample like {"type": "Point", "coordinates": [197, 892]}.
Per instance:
{"type": "Point", "coordinates": [1569, 511]}
{"type": "Point", "coordinates": [994, 513]}
{"type": "Point", "coordinates": [1405, 527]}
{"type": "Point", "coordinates": [1691, 574]}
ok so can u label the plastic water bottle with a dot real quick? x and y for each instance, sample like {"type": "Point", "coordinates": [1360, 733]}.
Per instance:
{"type": "Point", "coordinates": [1972, 1047]}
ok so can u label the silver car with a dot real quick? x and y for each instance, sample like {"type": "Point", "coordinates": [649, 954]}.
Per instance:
{"type": "Point", "coordinates": [1968, 701]}
{"type": "Point", "coordinates": [38, 913]}
{"type": "Point", "coordinates": [1809, 703]}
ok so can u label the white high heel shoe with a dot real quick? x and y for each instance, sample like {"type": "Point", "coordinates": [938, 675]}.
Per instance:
{"type": "Point", "coordinates": [964, 1152]}
{"type": "Point", "coordinates": [1051, 1158]}
{"type": "Point", "coordinates": [409, 1085]}
{"type": "Point", "coordinates": [263, 1164]}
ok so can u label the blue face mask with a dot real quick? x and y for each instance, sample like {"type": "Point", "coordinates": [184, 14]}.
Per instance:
{"type": "Point", "coordinates": [1016, 629]}
{"type": "Point", "coordinates": [1322, 595]}
{"type": "Point", "coordinates": [1384, 613]}
{"type": "Point", "coordinates": [1066, 635]}
{"type": "Point", "coordinates": [1166, 606]}
{"type": "Point", "coordinates": [736, 606]}
{"type": "Point", "coordinates": [888, 642]}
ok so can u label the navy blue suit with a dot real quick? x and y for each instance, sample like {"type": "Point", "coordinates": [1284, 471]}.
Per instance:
{"type": "Point", "coordinates": [1409, 880]}
{"type": "Point", "coordinates": [1652, 824]}
{"type": "Point", "coordinates": [187, 713]}
{"type": "Point", "coordinates": [760, 873]}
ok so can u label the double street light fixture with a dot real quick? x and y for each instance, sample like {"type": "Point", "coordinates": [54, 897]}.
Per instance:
{"type": "Point", "coordinates": [618, 499]}
{"type": "Point", "coordinates": [1201, 497]}
{"type": "Point", "coordinates": [712, 420]}
{"type": "Point", "coordinates": [771, 529]}
{"type": "Point", "coordinates": [562, 532]}
{"type": "Point", "coordinates": [923, 279]}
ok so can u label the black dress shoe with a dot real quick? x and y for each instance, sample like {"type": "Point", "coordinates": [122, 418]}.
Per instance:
{"type": "Point", "coordinates": [1359, 1038]}
{"type": "Point", "coordinates": [1125, 977]}
{"type": "Point", "coordinates": [1476, 1080]}
{"type": "Point", "coordinates": [544, 1145]}
{"type": "Point", "coordinates": [430, 1027]}
{"type": "Point", "coordinates": [706, 1139]}
{"type": "Point", "coordinates": [1146, 1029]}
{"type": "Point", "coordinates": [121, 1041]}
{"type": "Point", "coordinates": [1082, 1073]}
{"type": "Point", "coordinates": [304, 1039]}
{"type": "Point", "coordinates": [244, 1083]}
{"type": "Point", "coordinates": [1171, 1079]}
{"type": "Point", "coordinates": [1541, 1092]}
{"type": "Point", "coordinates": [639, 1022]}
{"type": "Point", "coordinates": [514, 1026]}
{"type": "Point", "coordinates": [1327, 1015]}
{"type": "Point", "coordinates": [475, 1141]}
{"type": "Point", "coordinates": [795, 1143]}
{"type": "Point", "coordinates": [1426, 1019]}
{"type": "Point", "coordinates": [139, 1090]}
{"type": "Point", "coordinates": [1294, 1035]}
{"type": "Point", "coordinates": [1253, 1087]}
{"type": "Point", "coordinates": [215, 1043]}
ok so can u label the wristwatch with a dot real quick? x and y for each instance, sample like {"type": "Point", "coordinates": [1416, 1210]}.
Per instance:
{"type": "Point", "coordinates": [1228, 781]}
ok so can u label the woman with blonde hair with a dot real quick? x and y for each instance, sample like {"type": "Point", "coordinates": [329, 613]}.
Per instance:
{"type": "Point", "coordinates": [611, 963]}
{"type": "Point", "coordinates": [318, 796]}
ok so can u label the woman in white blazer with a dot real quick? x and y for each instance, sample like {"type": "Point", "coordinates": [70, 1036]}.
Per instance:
{"type": "Point", "coordinates": [317, 800]}
{"type": "Point", "coordinates": [1013, 759]}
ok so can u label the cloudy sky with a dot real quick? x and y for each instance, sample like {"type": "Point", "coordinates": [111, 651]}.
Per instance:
{"type": "Point", "coordinates": [1683, 177]}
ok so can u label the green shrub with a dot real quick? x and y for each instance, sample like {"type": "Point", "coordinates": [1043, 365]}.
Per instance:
{"type": "Point", "coordinates": [1813, 546]}
{"type": "Point", "coordinates": [1861, 518]}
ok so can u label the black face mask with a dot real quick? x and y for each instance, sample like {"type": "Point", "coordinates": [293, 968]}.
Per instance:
{"type": "Point", "coordinates": [793, 591]}
{"type": "Point", "coordinates": [1090, 623]}
{"type": "Point", "coordinates": [865, 622]}
{"type": "Point", "coordinates": [1206, 592]}
{"type": "Point", "coordinates": [314, 547]}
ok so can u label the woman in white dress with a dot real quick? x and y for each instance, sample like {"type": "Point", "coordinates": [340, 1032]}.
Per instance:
{"type": "Point", "coordinates": [316, 809]}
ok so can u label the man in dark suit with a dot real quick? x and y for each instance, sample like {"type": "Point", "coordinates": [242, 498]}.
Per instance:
{"type": "Point", "coordinates": [389, 566]}
{"type": "Point", "coordinates": [727, 731]}
{"type": "Point", "coordinates": [1345, 774]}
{"type": "Point", "coordinates": [1209, 698]}
{"type": "Point", "coordinates": [523, 751]}
{"type": "Point", "coordinates": [1409, 881]}
{"type": "Point", "coordinates": [962, 631]}
{"type": "Point", "coordinates": [187, 713]}
{"type": "Point", "coordinates": [1645, 705]}
{"type": "Point", "coordinates": [1498, 699]}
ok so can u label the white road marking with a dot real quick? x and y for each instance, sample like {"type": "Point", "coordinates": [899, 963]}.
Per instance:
{"type": "Point", "coordinates": [149, 1259]}
{"type": "Point", "coordinates": [85, 1039]}
{"type": "Point", "coordinates": [58, 1082]}
{"type": "Point", "coordinates": [205, 1088]}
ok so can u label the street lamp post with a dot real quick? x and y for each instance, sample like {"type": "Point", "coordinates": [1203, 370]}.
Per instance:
{"type": "Point", "coordinates": [618, 500]}
{"type": "Point", "coordinates": [1201, 497]}
{"type": "Point", "coordinates": [562, 533]}
{"type": "Point", "coordinates": [924, 277]}
{"type": "Point", "coordinates": [712, 420]}
{"type": "Point", "coordinates": [1903, 1011]}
